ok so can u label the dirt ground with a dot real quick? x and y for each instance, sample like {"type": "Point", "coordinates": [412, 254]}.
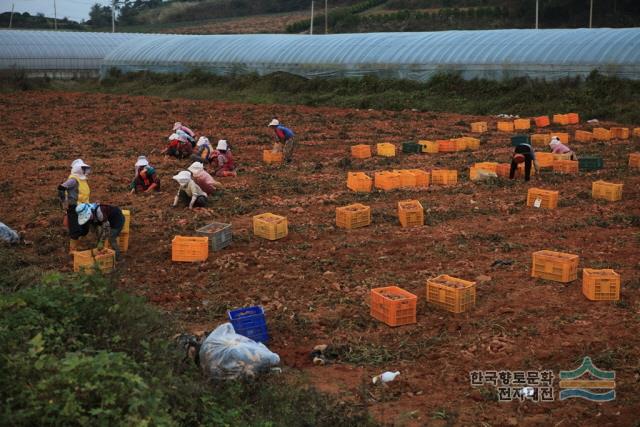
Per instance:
{"type": "Point", "coordinates": [314, 284]}
{"type": "Point", "coordinates": [274, 23]}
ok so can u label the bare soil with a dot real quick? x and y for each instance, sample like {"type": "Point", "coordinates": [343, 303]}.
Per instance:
{"type": "Point", "coordinates": [314, 284]}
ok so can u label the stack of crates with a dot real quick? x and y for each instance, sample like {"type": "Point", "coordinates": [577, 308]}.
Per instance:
{"type": "Point", "coordinates": [218, 233]}
{"type": "Point", "coordinates": [634, 160]}
{"type": "Point", "coordinates": [393, 306]}
{"type": "Point", "coordinates": [584, 136]}
{"type": "Point", "coordinates": [479, 127]}
{"type": "Point", "coordinates": [385, 149]}
{"type": "Point", "coordinates": [428, 146]}
{"type": "Point", "coordinates": [353, 216]}
{"type": "Point", "coordinates": [410, 213]}
{"type": "Point", "coordinates": [387, 181]}
{"type": "Point", "coordinates": [270, 226]}
{"type": "Point", "coordinates": [447, 145]}
{"type": "Point", "coordinates": [444, 177]}
{"type": "Point", "coordinates": [359, 182]}
{"type": "Point", "coordinates": [271, 157]}
{"type": "Point", "coordinates": [422, 177]}
{"type": "Point", "coordinates": [542, 121]}
{"type": "Point", "coordinates": [556, 266]}
{"type": "Point", "coordinates": [451, 294]}
{"type": "Point", "coordinates": [505, 126]}
{"type": "Point", "coordinates": [361, 151]}
{"type": "Point", "coordinates": [600, 285]}
{"type": "Point", "coordinates": [545, 160]}
{"type": "Point", "coordinates": [560, 119]}
{"type": "Point", "coordinates": [520, 139]}
{"type": "Point", "coordinates": [540, 139]}
{"type": "Point", "coordinates": [250, 322]}
{"type": "Point", "coordinates": [601, 134]}
{"type": "Point", "coordinates": [540, 198]}
{"type": "Point", "coordinates": [189, 249]}
{"type": "Point", "coordinates": [606, 191]}
{"type": "Point", "coordinates": [573, 118]}
{"type": "Point", "coordinates": [411, 147]}
{"type": "Point", "coordinates": [590, 163]}
{"type": "Point", "coordinates": [619, 133]}
{"type": "Point", "coordinates": [522, 124]}
{"type": "Point", "coordinates": [565, 166]}
{"type": "Point", "coordinates": [86, 261]}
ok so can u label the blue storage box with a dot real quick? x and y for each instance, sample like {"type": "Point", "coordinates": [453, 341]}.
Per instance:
{"type": "Point", "coordinates": [250, 322]}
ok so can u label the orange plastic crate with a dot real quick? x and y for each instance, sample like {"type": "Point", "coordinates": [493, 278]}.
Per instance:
{"type": "Point", "coordinates": [476, 173]}
{"type": "Point", "coordinates": [353, 216]}
{"type": "Point", "coordinates": [560, 119]}
{"type": "Point", "coordinates": [563, 136]}
{"type": "Point", "coordinates": [385, 149]}
{"type": "Point", "coordinates": [619, 133]}
{"type": "Point", "coordinates": [566, 156]}
{"type": "Point", "coordinates": [540, 139]}
{"type": "Point", "coordinates": [479, 127]}
{"type": "Point", "coordinates": [503, 170]}
{"type": "Point", "coordinates": [86, 261]}
{"type": "Point", "coordinates": [606, 191]}
{"type": "Point", "coordinates": [542, 121]}
{"type": "Point", "coordinates": [636, 132]}
{"type": "Point", "coordinates": [422, 178]}
{"type": "Point", "coordinates": [450, 293]}
{"type": "Point", "coordinates": [127, 220]}
{"type": "Point", "coordinates": [472, 143]}
{"type": "Point", "coordinates": [522, 124]}
{"type": "Point", "coordinates": [505, 126]}
{"type": "Point", "coordinates": [488, 166]}
{"type": "Point", "coordinates": [410, 213]}
{"type": "Point", "coordinates": [429, 146]}
{"type": "Point", "coordinates": [359, 182]}
{"type": "Point", "coordinates": [545, 160]}
{"type": "Point", "coordinates": [444, 177]}
{"type": "Point", "coordinates": [189, 249]}
{"type": "Point", "coordinates": [461, 144]}
{"type": "Point", "coordinates": [386, 180]}
{"type": "Point", "coordinates": [270, 226]}
{"type": "Point", "coordinates": [634, 160]}
{"type": "Point", "coordinates": [584, 136]}
{"type": "Point", "coordinates": [565, 166]}
{"type": "Point", "coordinates": [600, 285]}
{"type": "Point", "coordinates": [556, 266]}
{"type": "Point", "coordinates": [601, 134]}
{"type": "Point", "coordinates": [361, 151]}
{"type": "Point", "coordinates": [573, 118]}
{"type": "Point", "coordinates": [407, 178]}
{"type": "Point", "coordinates": [520, 170]}
{"type": "Point", "coordinates": [123, 242]}
{"type": "Point", "coordinates": [447, 145]}
{"type": "Point", "coordinates": [393, 306]}
{"type": "Point", "coordinates": [269, 157]}
{"type": "Point", "coordinates": [548, 198]}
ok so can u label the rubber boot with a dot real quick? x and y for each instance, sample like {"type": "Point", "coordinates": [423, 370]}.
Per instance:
{"type": "Point", "coordinates": [73, 246]}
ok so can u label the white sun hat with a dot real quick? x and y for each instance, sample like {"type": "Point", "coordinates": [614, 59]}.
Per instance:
{"type": "Point", "coordinates": [222, 144]}
{"type": "Point", "coordinates": [274, 122]}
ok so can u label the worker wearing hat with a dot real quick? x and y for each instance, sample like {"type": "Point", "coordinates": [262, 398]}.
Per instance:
{"type": "Point", "coordinates": [71, 192]}
{"type": "Point", "coordinates": [225, 165]}
{"type": "Point", "coordinates": [558, 147]}
{"type": "Point", "coordinates": [108, 221]}
{"type": "Point", "coordinates": [523, 153]}
{"type": "Point", "coordinates": [146, 179]}
{"type": "Point", "coordinates": [283, 136]}
{"type": "Point", "coordinates": [189, 191]}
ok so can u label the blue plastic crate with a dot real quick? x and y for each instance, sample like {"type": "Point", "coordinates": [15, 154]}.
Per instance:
{"type": "Point", "coordinates": [250, 322]}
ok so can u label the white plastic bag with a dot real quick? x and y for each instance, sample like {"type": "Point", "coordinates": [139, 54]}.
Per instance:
{"type": "Point", "coordinates": [226, 355]}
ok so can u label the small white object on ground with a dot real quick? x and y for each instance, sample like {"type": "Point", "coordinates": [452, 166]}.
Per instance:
{"type": "Point", "coordinates": [385, 377]}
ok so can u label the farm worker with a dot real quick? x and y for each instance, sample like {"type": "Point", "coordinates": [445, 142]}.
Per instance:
{"type": "Point", "coordinates": [225, 166]}
{"type": "Point", "coordinates": [146, 178]}
{"type": "Point", "coordinates": [203, 179]}
{"type": "Point", "coordinates": [203, 151]}
{"type": "Point", "coordinates": [71, 192]}
{"type": "Point", "coordinates": [284, 136]}
{"type": "Point", "coordinates": [108, 221]}
{"type": "Point", "coordinates": [189, 191]}
{"type": "Point", "coordinates": [9, 235]}
{"type": "Point", "coordinates": [178, 127]}
{"type": "Point", "coordinates": [523, 153]}
{"type": "Point", "coordinates": [178, 146]}
{"type": "Point", "coordinates": [558, 147]}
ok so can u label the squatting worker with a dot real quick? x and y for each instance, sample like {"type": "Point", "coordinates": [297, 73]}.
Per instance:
{"type": "Point", "coordinates": [523, 153]}
{"type": "Point", "coordinates": [71, 192]}
{"type": "Point", "coordinates": [558, 147]}
{"type": "Point", "coordinates": [284, 136]}
{"type": "Point", "coordinates": [108, 221]}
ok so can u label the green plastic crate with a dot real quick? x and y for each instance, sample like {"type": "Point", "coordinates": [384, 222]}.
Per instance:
{"type": "Point", "coordinates": [411, 147]}
{"type": "Point", "coordinates": [590, 163]}
{"type": "Point", "coordinates": [520, 139]}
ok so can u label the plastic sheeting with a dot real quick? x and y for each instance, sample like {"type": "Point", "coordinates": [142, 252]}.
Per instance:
{"type": "Point", "coordinates": [57, 50]}
{"type": "Point", "coordinates": [495, 54]}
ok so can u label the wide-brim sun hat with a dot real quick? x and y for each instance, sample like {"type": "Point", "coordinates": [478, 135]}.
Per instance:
{"type": "Point", "coordinates": [142, 161]}
{"type": "Point", "coordinates": [222, 144]}
{"type": "Point", "coordinates": [84, 213]}
{"type": "Point", "coordinates": [183, 177]}
{"type": "Point", "coordinates": [274, 122]}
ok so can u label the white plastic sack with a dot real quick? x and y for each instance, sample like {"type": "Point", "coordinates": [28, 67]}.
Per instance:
{"type": "Point", "coordinates": [226, 355]}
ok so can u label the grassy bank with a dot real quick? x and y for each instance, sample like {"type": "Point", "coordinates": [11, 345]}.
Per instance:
{"type": "Point", "coordinates": [597, 96]}
{"type": "Point", "coordinates": [74, 350]}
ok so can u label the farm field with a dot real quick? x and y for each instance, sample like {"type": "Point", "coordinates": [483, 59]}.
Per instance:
{"type": "Point", "coordinates": [314, 284]}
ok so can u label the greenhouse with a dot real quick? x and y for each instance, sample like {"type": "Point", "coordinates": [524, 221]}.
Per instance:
{"type": "Point", "coordinates": [495, 54]}
{"type": "Point", "coordinates": [57, 53]}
